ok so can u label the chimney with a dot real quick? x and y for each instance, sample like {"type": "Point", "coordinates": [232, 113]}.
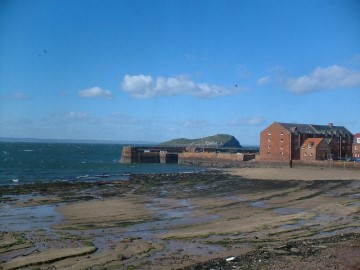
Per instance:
{"type": "Point", "coordinates": [330, 125]}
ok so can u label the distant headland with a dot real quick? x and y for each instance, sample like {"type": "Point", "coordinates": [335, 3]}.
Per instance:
{"type": "Point", "coordinates": [217, 141]}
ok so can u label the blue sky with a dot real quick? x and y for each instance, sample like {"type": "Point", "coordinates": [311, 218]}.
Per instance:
{"type": "Point", "coordinates": [158, 70]}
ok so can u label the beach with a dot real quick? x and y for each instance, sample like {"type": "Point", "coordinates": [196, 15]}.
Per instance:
{"type": "Point", "coordinates": [236, 218]}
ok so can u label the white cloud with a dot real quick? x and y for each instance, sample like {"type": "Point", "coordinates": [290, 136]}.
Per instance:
{"type": "Point", "coordinates": [68, 118]}
{"type": "Point", "coordinates": [95, 92]}
{"type": "Point", "coordinates": [142, 86]}
{"type": "Point", "coordinates": [332, 77]}
{"type": "Point", "coordinates": [117, 118]}
{"type": "Point", "coordinates": [76, 115]}
{"type": "Point", "coordinates": [253, 121]}
{"type": "Point", "coordinates": [194, 123]}
{"type": "Point", "coordinates": [263, 80]}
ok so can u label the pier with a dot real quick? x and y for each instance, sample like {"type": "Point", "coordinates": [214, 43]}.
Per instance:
{"type": "Point", "coordinates": [184, 155]}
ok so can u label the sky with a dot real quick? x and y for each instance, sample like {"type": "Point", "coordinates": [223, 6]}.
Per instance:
{"type": "Point", "coordinates": [157, 70]}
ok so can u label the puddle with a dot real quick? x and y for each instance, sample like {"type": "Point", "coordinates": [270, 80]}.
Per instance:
{"type": "Point", "coordinates": [324, 218]}
{"type": "Point", "coordinates": [288, 211]}
{"type": "Point", "coordinates": [352, 204]}
{"type": "Point", "coordinates": [258, 204]}
{"type": "Point", "coordinates": [354, 184]}
{"type": "Point", "coordinates": [355, 196]}
{"type": "Point", "coordinates": [163, 210]}
{"type": "Point", "coordinates": [294, 226]}
{"type": "Point", "coordinates": [170, 214]}
{"type": "Point", "coordinates": [40, 217]}
{"type": "Point", "coordinates": [236, 198]}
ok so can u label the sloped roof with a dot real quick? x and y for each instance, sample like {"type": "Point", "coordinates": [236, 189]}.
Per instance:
{"type": "Point", "coordinates": [315, 129]}
{"type": "Point", "coordinates": [302, 128]}
{"type": "Point", "coordinates": [327, 129]}
{"type": "Point", "coordinates": [314, 141]}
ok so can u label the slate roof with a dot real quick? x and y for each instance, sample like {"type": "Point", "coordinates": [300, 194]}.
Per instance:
{"type": "Point", "coordinates": [316, 129]}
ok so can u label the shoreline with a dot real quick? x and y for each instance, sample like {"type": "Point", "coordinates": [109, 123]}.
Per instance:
{"type": "Point", "coordinates": [172, 221]}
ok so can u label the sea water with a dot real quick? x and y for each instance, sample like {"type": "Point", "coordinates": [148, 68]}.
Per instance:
{"type": "Point", "coordinates": [46, 162]}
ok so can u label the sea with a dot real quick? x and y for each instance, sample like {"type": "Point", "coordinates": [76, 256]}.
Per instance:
{"type": "Point", "coordinates": [31, 162]}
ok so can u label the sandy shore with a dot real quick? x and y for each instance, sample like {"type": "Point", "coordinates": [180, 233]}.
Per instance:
{"type": "Point", "coordinates": [176, 221]}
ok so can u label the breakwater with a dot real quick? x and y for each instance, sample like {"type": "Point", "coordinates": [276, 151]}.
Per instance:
{"type": "Point", "coordinates": [185, 155]}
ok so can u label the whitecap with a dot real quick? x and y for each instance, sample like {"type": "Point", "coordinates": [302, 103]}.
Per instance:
{"type": "Point", "coordinates": [82, 176]}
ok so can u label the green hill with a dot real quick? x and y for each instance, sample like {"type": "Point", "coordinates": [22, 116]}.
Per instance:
{"type": "Point", "coordinates": [218, 141]}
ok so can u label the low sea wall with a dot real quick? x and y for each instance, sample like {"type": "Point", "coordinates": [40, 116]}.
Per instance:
{"type": "Point", "coordinates": [214, 159]}
{"type": "Point", "coordinates": [327, 164]}
{"type": "Point", "coordinates": [336, 164]}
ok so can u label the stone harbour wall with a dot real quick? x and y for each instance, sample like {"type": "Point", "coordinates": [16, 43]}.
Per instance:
{"type": "Point", "coordinates": [213, 159]}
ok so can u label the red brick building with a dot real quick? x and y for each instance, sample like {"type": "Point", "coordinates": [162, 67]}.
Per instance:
{"type": "Point", "coordinates": [315, 149]}
{"type": "Point", "coordinates": [283, 141]}
{"type": "Point", "coordinates": [356, 146]}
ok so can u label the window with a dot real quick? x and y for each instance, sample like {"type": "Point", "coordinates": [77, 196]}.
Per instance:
{"type": "Point", "coordinates": [311, 154]}
{"type": "Point", "coordinates": [305, 154]}
{"type": "Point", "coordinates": [281, 147]}
{"type": "Point", "coordinates": [282, 133]}
{"type": "Point", "coordinates": [281, 140]}
{"type": "Point", "coordinates": [310, 145]}
{"type": "Point", "coordinates": [269, 133]}
{"type": "Point", "coordinates": [281, 153]}
{"type": "Point", "coordinates": [269, 139]}
{"type": "Point", "coordinates": [269, 146]}
{"type": "Point", "coordinates": [355, 147]}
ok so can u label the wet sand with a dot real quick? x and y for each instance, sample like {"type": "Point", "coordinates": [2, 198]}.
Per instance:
{"type": "Point", "coordinates": [174, 221]}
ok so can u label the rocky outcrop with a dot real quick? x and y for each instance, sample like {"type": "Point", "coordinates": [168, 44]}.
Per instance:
{"type": "Point", "coordinates": [216, 141]}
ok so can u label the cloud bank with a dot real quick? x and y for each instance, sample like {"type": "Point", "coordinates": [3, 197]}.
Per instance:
{"type": "Point", "coordinates": [263, 80]}
{"type": "Point", "coordinates": [95, 92]}
{"type": "Point", "coordinates": [144, 86]}
{"type": "Point", "coordinates": [332, 77]}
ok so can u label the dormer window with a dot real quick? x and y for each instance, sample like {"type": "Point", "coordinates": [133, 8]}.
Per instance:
{"type": "Point", "coordinates": [310, 145]}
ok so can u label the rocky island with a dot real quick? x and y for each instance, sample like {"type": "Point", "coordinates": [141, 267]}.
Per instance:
{"type": "Point", "coordinates": [217, 141]}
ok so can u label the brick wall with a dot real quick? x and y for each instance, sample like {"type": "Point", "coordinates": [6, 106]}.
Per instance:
{"type": "Point", "coordinates": [275, 143]}
{"type": "Point", "coordinates": [356, 146]}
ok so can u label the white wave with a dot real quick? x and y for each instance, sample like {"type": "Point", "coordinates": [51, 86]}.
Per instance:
{"type": "Point", "coordinates": [82, 176]}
